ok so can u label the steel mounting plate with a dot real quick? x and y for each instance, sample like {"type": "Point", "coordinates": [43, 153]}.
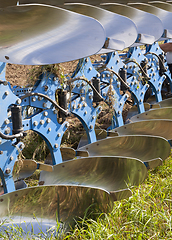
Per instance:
{"type": "Point", "coordinates": [36, 34]}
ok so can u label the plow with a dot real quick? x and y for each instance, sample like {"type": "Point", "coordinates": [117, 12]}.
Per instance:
{"type": "Point", "coordinates": [131, 70]}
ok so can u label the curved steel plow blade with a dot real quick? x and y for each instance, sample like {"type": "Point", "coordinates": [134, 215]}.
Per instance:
{"type": "Point", "coordinates": [149, 149]}
{"type": "Point", "coordinates": [41, 208]}
{"type": "Point", "coordinates": [106, 172]}
{"type": "Point", "coordinates": [155, 127]}
{"type": "Point", "coordinates": [36, 34]}
{"type": "Point", "coordinates": [159, 113]}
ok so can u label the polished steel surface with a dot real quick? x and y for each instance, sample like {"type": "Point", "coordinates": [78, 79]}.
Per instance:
{"type": "Point", "coordinates": [134, 110]}
{"type": "Point", "coordinates": [109, 173]}
{"type": "Point", "coordinates": [164, 103]}
{"type": "Point", "coordinates": [67, 153]}
{"type": "Point", "coordinates": [47, 2]}
{"type": "Point", "coordinates": [45, 167]}
{"type": "Point", "coordinates": [120, 30]}
{"type": "Point", "coordinates": [121, 194]}
{"type": "Point", "coordinates": [49, 204]}
{"type": "Point", "coordinates": [37, 34]}
{"type": "Point", "coordinates": [159, 113]}
{"type": "Point", "coordinates": [147, 24]}
{"type": "Point", "coordinates": [100, 134]}
{"type": "Point", "coordinates": [7, 3]}
{"type": "Point", "coordinates": [142, 147]}
{"type": "Point", "coordinates": [155, 127]}
{"type": "Point", "coordinates": [163, 15]}
{"type": "Point", "coordinates": [153, 163]}
{"type": "Point", "coordinates": [164, 5]}
{"type": "Point", "coordinates": [23, 169]}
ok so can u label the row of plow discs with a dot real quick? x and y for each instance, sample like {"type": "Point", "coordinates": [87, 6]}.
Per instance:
{"type": "Point", "coordinates": [107, 162]}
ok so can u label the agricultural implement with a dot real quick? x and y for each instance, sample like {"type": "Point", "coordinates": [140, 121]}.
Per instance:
{"type": "Point", "coordinates": [107, 162]}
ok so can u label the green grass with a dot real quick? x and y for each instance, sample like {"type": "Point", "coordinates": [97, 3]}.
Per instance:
{"type": "Point", "coordinates": [145, 215]}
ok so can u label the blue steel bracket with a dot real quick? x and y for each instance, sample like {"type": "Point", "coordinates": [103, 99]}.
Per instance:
{"type": "Point", "coordinates": [47, 86]}
{"type": "Point", "coordinates": [46, 125]}
{"type": "Point", "coordinates": [155, 80]}
{"type": "Point", "coordinates": [82, 108]}
{"type": "Point", "coordinates": [112, 93]}
{"type": "Point", "coordinates": [9, 153]}
{"type": "Point", "coordinates": [153, 61]}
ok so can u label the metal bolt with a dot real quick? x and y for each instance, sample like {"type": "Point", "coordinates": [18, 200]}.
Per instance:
{"type": "Point", "coordinates": [67, 125]}
{"type": "Point", "coordinates": [33, 99]}
{"type": "Point", "coordinates": [112, 67]}
{"type": "Point", "coordinates": [6, 121]}
{"type": "Point", "coordinates": [6, 93]}
{"type": "Point", "coordinates": [45, 114]}
{"type": "Point", "coordinates": [18, 101]}
{"type": "Point", "coordinates": [83, 84]}
{"type": "Point", "coordinates": [90, 97]}
{"type": "Point", "coordinates": [82, 91]}
{"type": "Point", "coordinates": [55, 111]}
{"type": "Point", "coordinates": [82, 98]}
{"type": "Point", "coordinates": [84, 104]}
{"type": "Point", "coordinates": [86, 60]}
{"type": "Point", "coordinates": [11, 158]}
{"type": "Point", "coordinates": [103, 75]}
{"type": "Point", "coordinates": [44, 105]}
{"type": "Point", "coordinates": [74, 107]}
{"type": "Point", "coordinates": [59, 135]}
{"type": "Point", "coordinates": [91, 126]}
{"type": "Point", "coordinates": [48, 120]}
{"type": "Point", "coordinates": [56, 145]}
{"type": "Point", "coordinates": [35, 123]}
{"type": "Point", "coordinates": [90, 68]}
{"type": "Point", "coordinates": [107, 75]}
{"type": "Point", "coordinates": [100, 108]}
{"type": "Point", "coordinates": [54, 78]}
{"type": "Point", "coordinates": [7, 131]}
{"type": "Point", "coordinates": [41, 122]}
{"type": "Point", "coordinates": [39, 98]}
{"type": "Point", "coordinates": [79, 105]}
{"type": "Point", "coordinates": [117, 61]}
{"type": "Point", "coordinates": [98, 75]}
{"type": "Point", "coordinates": [104, 94]}
{"type": "Point", "coordinates": [89, 89]}
{"type": "Point", "coordinates": [49, 129]}
{"type": "Point", "coordinates": [93, 117]}
{"type": "Point", "coordinates": [1, 152]}
{"type": "Point", "coordinates": [77, 85]}
{"type": "Point", "coordinates": [85, 112]}
{"type": "Point", "coordinates": [8, 170]}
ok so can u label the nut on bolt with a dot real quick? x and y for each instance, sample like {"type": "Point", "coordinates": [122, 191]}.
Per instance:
{"type": "Point", "coordinates": [8, 170]}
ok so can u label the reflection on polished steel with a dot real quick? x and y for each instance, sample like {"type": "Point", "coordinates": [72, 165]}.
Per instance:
{"type": "Point", "coordinates": [120, 30]}
{"type": "Point", "coordinates": [134, 110]}
{"type": "Point", "coordinates": [121, 194]}
{"type": "Point", "coordinates": [47, 2]}
{"type": "Point", "coordinates": [24, 169]}
{"type": "Point", "coordinates": [164, 103]}
{"type": "Point", "coordinates": [153, 163]}
{"type": "Point", "coordinates": [148, 25]}
{"type": "Point", "coordinates": [100, 134]}
{"type": "Point", "coordinates": [164, 5]}
{"type": "Point", "coordinates": [50, 204]}
{"type": "Point", "coordinates": [163, 15]}
{"type": "Point", "coordinates": [109, 173]}
{"type": "Point", "coordinates": [39, 34]}
{"type": "Point", "coordinates": [155, 127]}
{"type": "Point", "coordinates": [142, 147]}
{"type": "Point", "coordinates": [159, 113]}
{"type": "Point", "coordinates": [8, 3]}
{"type": "Point", "coordinates": [67, 153]}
